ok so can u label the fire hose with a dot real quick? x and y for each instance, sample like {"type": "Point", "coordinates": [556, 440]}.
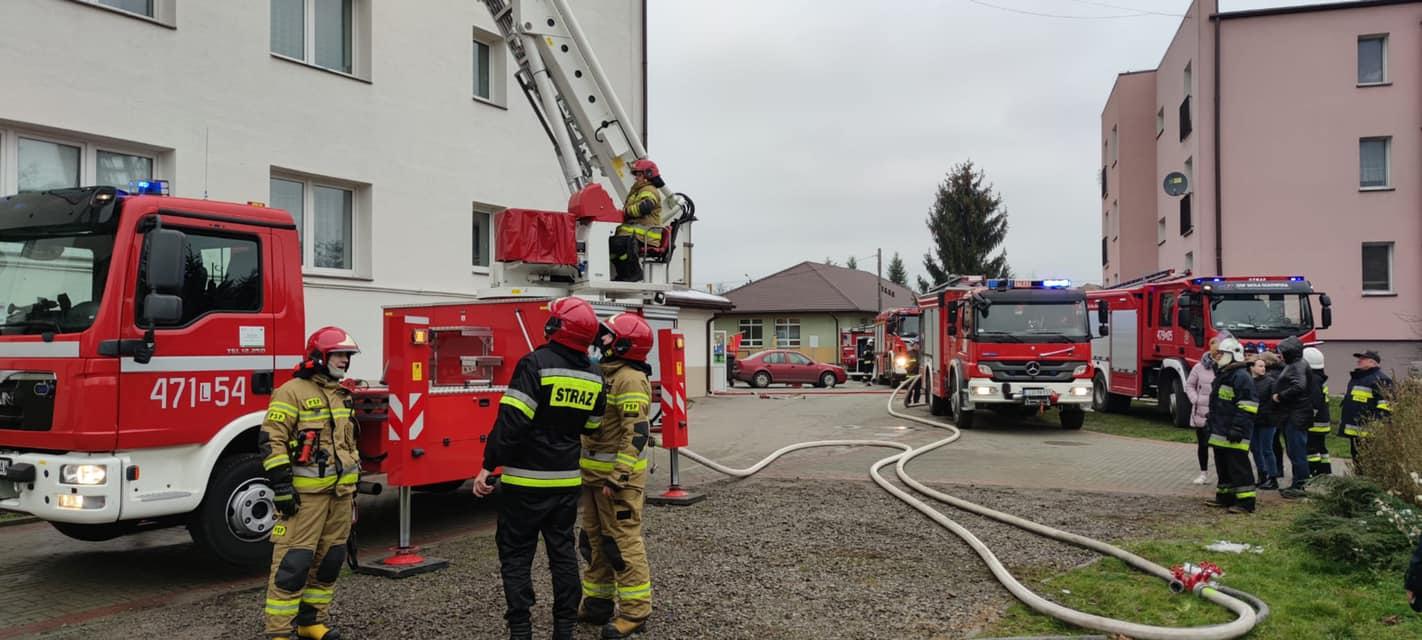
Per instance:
{"type": "Point", "coordinates": [1248, 609]}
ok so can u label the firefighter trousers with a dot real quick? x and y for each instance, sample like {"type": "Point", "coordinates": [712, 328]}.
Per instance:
{"type": "Point", "coordinates": [1319, 463]}
{"type": "Point", "coordinates": [613, 526]}
{"type": "Point", "coordinates": [1236, 485]}
{"type": "Point", "coordinates": [626, 258]}
{"type": "Point", "coordinates": [308, 550]}
{"type": "Point", "coordinates": [523, 515]}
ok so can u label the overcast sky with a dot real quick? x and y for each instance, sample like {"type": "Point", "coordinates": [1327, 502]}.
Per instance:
{"type": "Point", "coordinates": [807, 129]}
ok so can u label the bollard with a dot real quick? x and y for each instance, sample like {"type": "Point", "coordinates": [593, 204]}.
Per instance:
{"type": "Point", "coordinates": [674, 434]}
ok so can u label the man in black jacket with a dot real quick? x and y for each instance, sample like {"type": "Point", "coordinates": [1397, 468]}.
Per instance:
{"type": "Point", "coordinates": [1368, 399]}
{"type": "Point", "coordinates": [1233, 406]}
{"type": "Point", "coordinates": [1296, 408]}
{"type": "Point", "coordinates": [554, 397]}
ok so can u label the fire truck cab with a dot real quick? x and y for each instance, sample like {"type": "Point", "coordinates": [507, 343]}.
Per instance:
{"type": "Point", "coordinates": [1160, 326]}
{"type": "Point", "coordinates": [1009, 345]}
{"type": "Point", "coordinates": [896, 336]}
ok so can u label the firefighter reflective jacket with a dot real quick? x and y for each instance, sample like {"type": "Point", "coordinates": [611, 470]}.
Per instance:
{"type": "Point", "coordinates": [555, 396]}
{"type": "Point", "coordinates": [1365, 401]}
{"type": "Point", "coordinates": [1233, 406]}
{"type": "Point", "coordinates": [309, 426]}
{"type": "Point", "coordinates": [1318, 395]}
{"type": "Point", "coordinates": [616, 454]}
{"type": "Point", "coordinates": [642, 214]}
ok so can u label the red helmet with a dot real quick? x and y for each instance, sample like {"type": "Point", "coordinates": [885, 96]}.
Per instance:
{"type": "Point", "coordinates": [626, 336]}
{"type": "Point", "coordinates": [574, 323]}
{"type": "Point", "coordinates": [646, 166]}
{"type": "Point", "coordinates": [324, 342]}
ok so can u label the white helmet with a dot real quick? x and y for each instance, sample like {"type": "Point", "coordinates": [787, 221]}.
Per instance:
{"type": "Point", "coordinates": [1232, 348]}
{"type": "Point", "coordinates": [1313, 357]}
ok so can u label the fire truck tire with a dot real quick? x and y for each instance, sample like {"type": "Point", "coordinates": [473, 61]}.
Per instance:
{"type": "Point", "coordinates": [235, 497]}
{"type": "Point", "coordinates": [962, 418]}
{"type": "Point", "coordinates": [1073, 418]}
{"type": "Point", "coordinates": [1104, 401]}
{"type": "Point", "coordinates": [761, 379]}
{"type": "Point", "coordinates": [1177, 403]}
{"type": "Point", "coordinates": [441, 487]}
{"type": "Point", "coordinates": [93, 532]}
{"type": "Point", "coordinates": [827, 380]}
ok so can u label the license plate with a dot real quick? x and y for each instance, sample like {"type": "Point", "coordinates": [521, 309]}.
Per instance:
{"type": "Point", "coordinates": [4, 465]}
{"type": "Point", "coordinates": [1036, 393]}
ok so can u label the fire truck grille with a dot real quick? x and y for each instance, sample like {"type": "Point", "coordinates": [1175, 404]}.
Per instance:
{"type": "Point", "coordinates": [1023, 370]}
{"type": "Point", "coordinates": [27, 401]}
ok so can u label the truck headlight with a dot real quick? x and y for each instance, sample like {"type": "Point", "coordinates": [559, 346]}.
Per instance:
{"type": "Point", "coordinates": [83, 474]}
{"type": "Point", "coordinates": [1080, 370]}
{"type": "Point", "coordinates": [72, 501]}
{"type": "Point", "coordinates": [1081, 391]}
{"type": "Point", "coordinates": [985, 370]}
{"type": "Point", "coordinates": [901, 361]}
{"type": "Point", "coordinates": [983, 390]}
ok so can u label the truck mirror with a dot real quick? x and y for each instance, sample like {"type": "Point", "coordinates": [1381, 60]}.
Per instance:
{"type": "Point", "coordinates": [161, 309]}
{"type": "Point", "coordinates": [1103, 330]}
{"type": "Point", "coordinates": [166, 261]}
{"type": "Point", "coordinates": [1327, 310]}
{"type": "Point", "coordinates": [1101, 313]}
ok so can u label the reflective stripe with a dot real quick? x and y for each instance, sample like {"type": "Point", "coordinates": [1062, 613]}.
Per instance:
{"type": "Point", "coordinates": [1245, 494]}
{"type": "Point", "coordinates": [1248, 406]}
{"type": "Point", "coordinates": [341, 413]}
{"type": "Point", "coordinates": [556, 372]}
{"type": "Point", "coordinates": [598, 590]}
{"type": "Point", "coordinates": [1221, 441]}
{"type": "Point", "coordinates": [641, 232]}
{"type": "Point", "coordinates": [595, 465]}
{"type": "Point", "coordinates": [312, 416]}
{"type": "Point", "coordinates": [593, 422]}
{"type": "Point", "coordinates": [1356, 432]}
{"type": "Point", "coordinates": [1226, 393]}
{"type": "Point", "coordinates": [638, 592]}
{"type": "Point", "coordinates": [306, 482]}
{"type": "Point", "coordinates": [317, 596]}
{"type": "Point", "coordinates": [527, 400]}
{"type": "Point", "coordinates": [1223, 490]}
{"type": "Point", "coordinates": [517, 404]}
{"type": "Point", "coordinates": [629, 396]}
{"type": "Point", "coordinates": [534, 478]}
{"type": "Point", "coordinates": [282, 407]}
{"type": "Point", "coordinates": [1313, 457]}
{"type": "Point", "coordinates": [282, 607]}
{"type": "Point", "coordinates": [1361, 394]}
{"type": "Point", "coordinates": [1384, 405]}
{"type": "Point", "coordinates": [1319, 427]}
{"type": "Point", "coordinates": [276, 461]}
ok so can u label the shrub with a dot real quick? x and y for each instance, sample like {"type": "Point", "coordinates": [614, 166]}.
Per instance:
{"type": "Point", "coordinates": [1393, 455]}
{"type": "Point", "coordinates": [1355, 525]}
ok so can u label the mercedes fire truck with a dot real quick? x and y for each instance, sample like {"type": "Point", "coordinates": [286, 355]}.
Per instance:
{"type": "Point", "coordinates": [896, 336]}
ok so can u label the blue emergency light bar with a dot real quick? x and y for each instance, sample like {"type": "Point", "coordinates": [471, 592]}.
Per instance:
{"type": "Point", "coordinates": [1059, 283]}
{"type": "Point", "coordinates": [148, 187]}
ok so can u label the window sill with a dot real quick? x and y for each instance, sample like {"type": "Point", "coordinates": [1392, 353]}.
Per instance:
{"type": "Point", "coordinates": [1379, 294]}
{"type": "Point", "coordinates": [335, 275]}
{"type": "Point", "coordinates": [333, 72]}
{"type": "Point", "coordinates": [1365, 85]}
{"type": "Point", "coordinates": [1159, 243]}
{"type": "Point", "coordinates": [1368, 189]}
{"type": "Point", "coordinates": [488, 102]}
{"type": "Point", "coordinates": [1160, 133]}
{"type": "Point", "coordinates": [136, 16]}
{"type": "Point", "coordinates": [482, 271]}
{"type": "Point", "coordinates": [1188, 232]}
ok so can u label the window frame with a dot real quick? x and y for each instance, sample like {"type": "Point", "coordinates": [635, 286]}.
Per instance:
{"type": "Point", "coordinates": [746, 340]}
{"type": "Point", "coordinates": [788, 323]}
{"type": "Point", "coordinates": [165, 12]}
{"type": "Point", "coordinates": [189, 230]}
{"type": "Point", "coordinates": [360, 221]}
{"type": "Point", "coordinates": [1387, 163]}
{"type": "Point", "coordinates": [498, 68]}
{"type": "Point", "coordinates": [1386, 79]}
{"type": "Point", "coordinates": [1391, 289]}
{"type": "Point", "coordinates": [89, 149]}
{"type": "Point", "coordinates": [1162, 231]}
{"type": "Point", "coordinates": [489, 244]}
{"type": "Point", "coordinates": [359, 35]}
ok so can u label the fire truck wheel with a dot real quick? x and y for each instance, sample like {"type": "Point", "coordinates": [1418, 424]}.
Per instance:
{"type": "Point", "coordinates": [761, 379]}
{"type": "Point", "coordinates": [962, 418]}
{"type": "Point", "coordinates": [93, 532]}
{"type": "Point", "coordinates": [1177, 403]}
{"type": "Point", "coordinates": [1073, 418]}
{"type": "Point", "coordinates": [236, 515]}
{"type": "Point", "coordinates": [938, 406]}
{"type": "Point", "coordinates": [827, 380]}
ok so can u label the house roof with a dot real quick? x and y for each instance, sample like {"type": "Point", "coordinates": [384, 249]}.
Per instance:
{"type": "Point", "coordinates": [816, 287]}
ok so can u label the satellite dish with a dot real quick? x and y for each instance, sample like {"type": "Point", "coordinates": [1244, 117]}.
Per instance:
{"type": "Point", "coordinates": [1176, 185]}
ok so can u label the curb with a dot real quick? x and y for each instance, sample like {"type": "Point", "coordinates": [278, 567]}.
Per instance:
{"type": "Point", "coordinates": [15, 522]}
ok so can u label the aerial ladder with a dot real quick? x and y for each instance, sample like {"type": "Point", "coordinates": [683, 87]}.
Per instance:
{"type": "Point", "coordinates": [594, 138]}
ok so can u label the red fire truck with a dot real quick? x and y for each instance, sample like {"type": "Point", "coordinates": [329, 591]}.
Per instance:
{"type": "Point", "coordinates": [856, 352]}
{"type": "Point", "coordinates": [1009, 345]}
{"type": "Point", "coordinates": [896, 334]}
{"type": "Point", "coordinates": [1161, 324]}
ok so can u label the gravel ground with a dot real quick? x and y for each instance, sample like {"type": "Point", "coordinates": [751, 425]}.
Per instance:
{"type": "Point", "coordinates": [765, 559]}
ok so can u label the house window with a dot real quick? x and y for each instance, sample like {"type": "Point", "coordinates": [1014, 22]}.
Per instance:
{"type": "Point", "coordinates": [1189, 261]}
{"type": "Point", "coordinates": [47, 165]}
{"type": "Point", "coordinates": [1187, 217]}
{"type": "Point", "coordinates": [120, 170]}
{"type": "Point", "coordinates": [140, 7]}
{"type": "Point", "coordinates": [1105, 258]}
{"type": "Point", "coordinates": [1160, 122]}
{"type": "Point", "coordinates": [1372, 60]}
{"type": "Point", "coordinates": [224, 275]}
{"type": "Point", "coordinates": [489, 68]}
{"type": "Point", "coordinates": [1186, 125]}
{"type": "Point", "coordinates": [481, 70]}
{"type": "Point", "coordinates": [321, 33]}
{"type": "Point", "coordinates": [42, 162]}
{"type": "Point", "coordinates": [164, 12]}
{"type": "Point", "coordinates": [1115, 146]}
{"type": "Point", "coordinates": [1160, 231]}
{"type": "Point", "coordinates": [787, 332]}
{"type": "Point", "coordinates": [1189, 80]}
{"type": "Point", "coordinates": [1377, 267]}
{"type": "Point", "coordinates": [1190, 173]}
{"type": "Point", "coordinates": [483, 238]}
{"type": "Point", "coordinates": [326, 218]}
{"type": "Point", "coordinates": [752, 333]}
{"type": "Point", "coordinates": [1373, 155]}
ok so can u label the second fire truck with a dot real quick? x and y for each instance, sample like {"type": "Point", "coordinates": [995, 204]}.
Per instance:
{"type": "Point", "coordinates": [896, 336]}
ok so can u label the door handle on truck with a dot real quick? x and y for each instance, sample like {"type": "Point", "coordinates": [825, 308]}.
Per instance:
{"type": "Point", "coordinates": [262, 382]}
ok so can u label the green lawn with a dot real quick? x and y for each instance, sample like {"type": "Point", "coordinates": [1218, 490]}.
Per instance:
{"type": "Point", "coordinates": [10, 515]}
{"type": "Point", "coordinates": [1308, 599]}
{"type": "Point", "coordinates": [1146, 421]}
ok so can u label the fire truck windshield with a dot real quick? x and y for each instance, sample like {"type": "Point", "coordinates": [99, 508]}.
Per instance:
{"type": "Point", "coordinates": [1032, 322]}
{"type": "Point", "coordinates": [1263, 315]}
{"type": "Point", "coordinates": [907, 327]}
{"type": "Point", "coordinates": [52, 284]}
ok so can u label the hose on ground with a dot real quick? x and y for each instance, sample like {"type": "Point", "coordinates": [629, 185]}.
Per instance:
{"type": "Point", "coordinates": [1248, 609]}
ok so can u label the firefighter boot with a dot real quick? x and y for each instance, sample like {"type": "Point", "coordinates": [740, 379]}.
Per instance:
{"type": "Point", "coordinates": [623, 628]}
{"type": "Point", "coordinates": [596, 611]}
{"type": "Point", "coordinates": [317, 632]}
{"type": "Point", "coordinates": [520, 631]}
{"type": "Point", "coordinates": [563, 628]}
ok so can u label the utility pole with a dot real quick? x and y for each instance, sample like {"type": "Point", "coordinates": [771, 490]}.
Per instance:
{"type": "Point", "coordinates": [879, 285]}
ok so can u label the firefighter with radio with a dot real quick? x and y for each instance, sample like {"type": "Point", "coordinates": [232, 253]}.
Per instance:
{"type": "Point", "coordinates": [641, 222]}
{"type": "Point", "coordinates": [614, 479]}
{"type": "Point", "coordinates": [554, 397]}
{"type": "Point", "coordinates": [1234, 403]}
{"type": "Point", "coordinates": [1368, 399]}
{"type": "Point", "coordinates": [309, 451]}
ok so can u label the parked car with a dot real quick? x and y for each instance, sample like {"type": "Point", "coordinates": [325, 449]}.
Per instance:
{"type": "Point", "coordinates": [787, 367]}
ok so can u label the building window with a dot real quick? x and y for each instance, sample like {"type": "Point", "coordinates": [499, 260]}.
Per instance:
{"type": "Point", "coordinates": [140, 7]}
{"type": "Point", "coordinates": [752, 333]}
{"type": "Point", "coordinates": [1189, 261]}
{"type": "Point", "coordinates": [1186, 125]}
{"type": "Point", "coordinates": [42, 162]}
{"type": "Point", "coordinates": [331, 230]}
{"type": "Point", "coordinates": [1190, 174]}
{"type": "Point", "coordinates": [1104, 188]}
{"type": "Point", "coordinates": [47, 165]}
{"type": "Point", "coordinates": [1105, 257]}
{"type": "Point", "coordinates": [1377, 267]}
{"type": "Point", "coordinates": [1187, 218]}
{"type": "Point", "coordinates": [1115, 146]}
{"type": "Point", "coordinates": [483, 238]}
{"type": "Point", "coordinates": [787, 332]}
{"type": "Point", "coordinates": [121, 170]}
{"type": "Point", "coordinates": [481, 70]}
{"type": "Point", "coordinates": [1372, 60]}
{"type": "Point", "coordinates": [1374, 160]}
{"type": "Point", "coordinates": [1160, 122]}
{"type": "Point", "coordinates": [1160, 231]}
{"type": "Point", "coordinates": [321, 33]}
{"type": "Point", "coordinates": [224, 275]}
{"type": "Point", "coordinates": [1189, 80]}
{"type": "Point", "coordinates": [490, 61]}
{"type": "Point", "coordinates": [164, 12]}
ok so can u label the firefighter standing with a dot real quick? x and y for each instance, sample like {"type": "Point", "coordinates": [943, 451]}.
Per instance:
{"type": "Point", "coordinates": [1233, 405]}
{"type": "Point", "coordinates": [555, 396]}
{"type": "Point", "coordinates": [614, 478]}
{"type": "Point", "coordinates": [1367, 400]}
{"type": "Point", "coordinates": [1319, 462]}
{"type": "Point", "coordinates": [641, 222]}
{"type": "Point", "coordinates": [309, 451]}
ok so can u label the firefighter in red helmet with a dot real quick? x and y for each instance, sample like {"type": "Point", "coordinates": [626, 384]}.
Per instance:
{"type": "Point", "coordinates": [641, 222]}
{"type": "Point", "coordinates": [614, 478]}
{"type": "Point", "coordinates": [554, 397]}
{"type": "Point", "coordinates": [309, 451]}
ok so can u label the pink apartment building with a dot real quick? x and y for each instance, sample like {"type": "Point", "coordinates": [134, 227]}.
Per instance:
{"type": "Point", "coordinates": [1300, 132]}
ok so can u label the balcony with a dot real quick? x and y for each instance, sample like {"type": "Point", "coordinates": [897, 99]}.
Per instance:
{"type": "Point", "coordinates": [1186, 219]}
{"type": "Point", "coordinates": [1185, 125]}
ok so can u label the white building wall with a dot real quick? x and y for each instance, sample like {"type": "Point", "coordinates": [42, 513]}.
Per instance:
{"type": "Point", "coordinates": [206, 97]}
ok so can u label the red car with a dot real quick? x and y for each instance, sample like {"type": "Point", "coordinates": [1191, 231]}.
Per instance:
{"type": "Point", "coordinates": [779, 366]}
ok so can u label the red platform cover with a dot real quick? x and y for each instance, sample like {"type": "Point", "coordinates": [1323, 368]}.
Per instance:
{"type": "Point", "coordinates": [543, 237]}
{"type": "Point", "coordinates": [592, 204]}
